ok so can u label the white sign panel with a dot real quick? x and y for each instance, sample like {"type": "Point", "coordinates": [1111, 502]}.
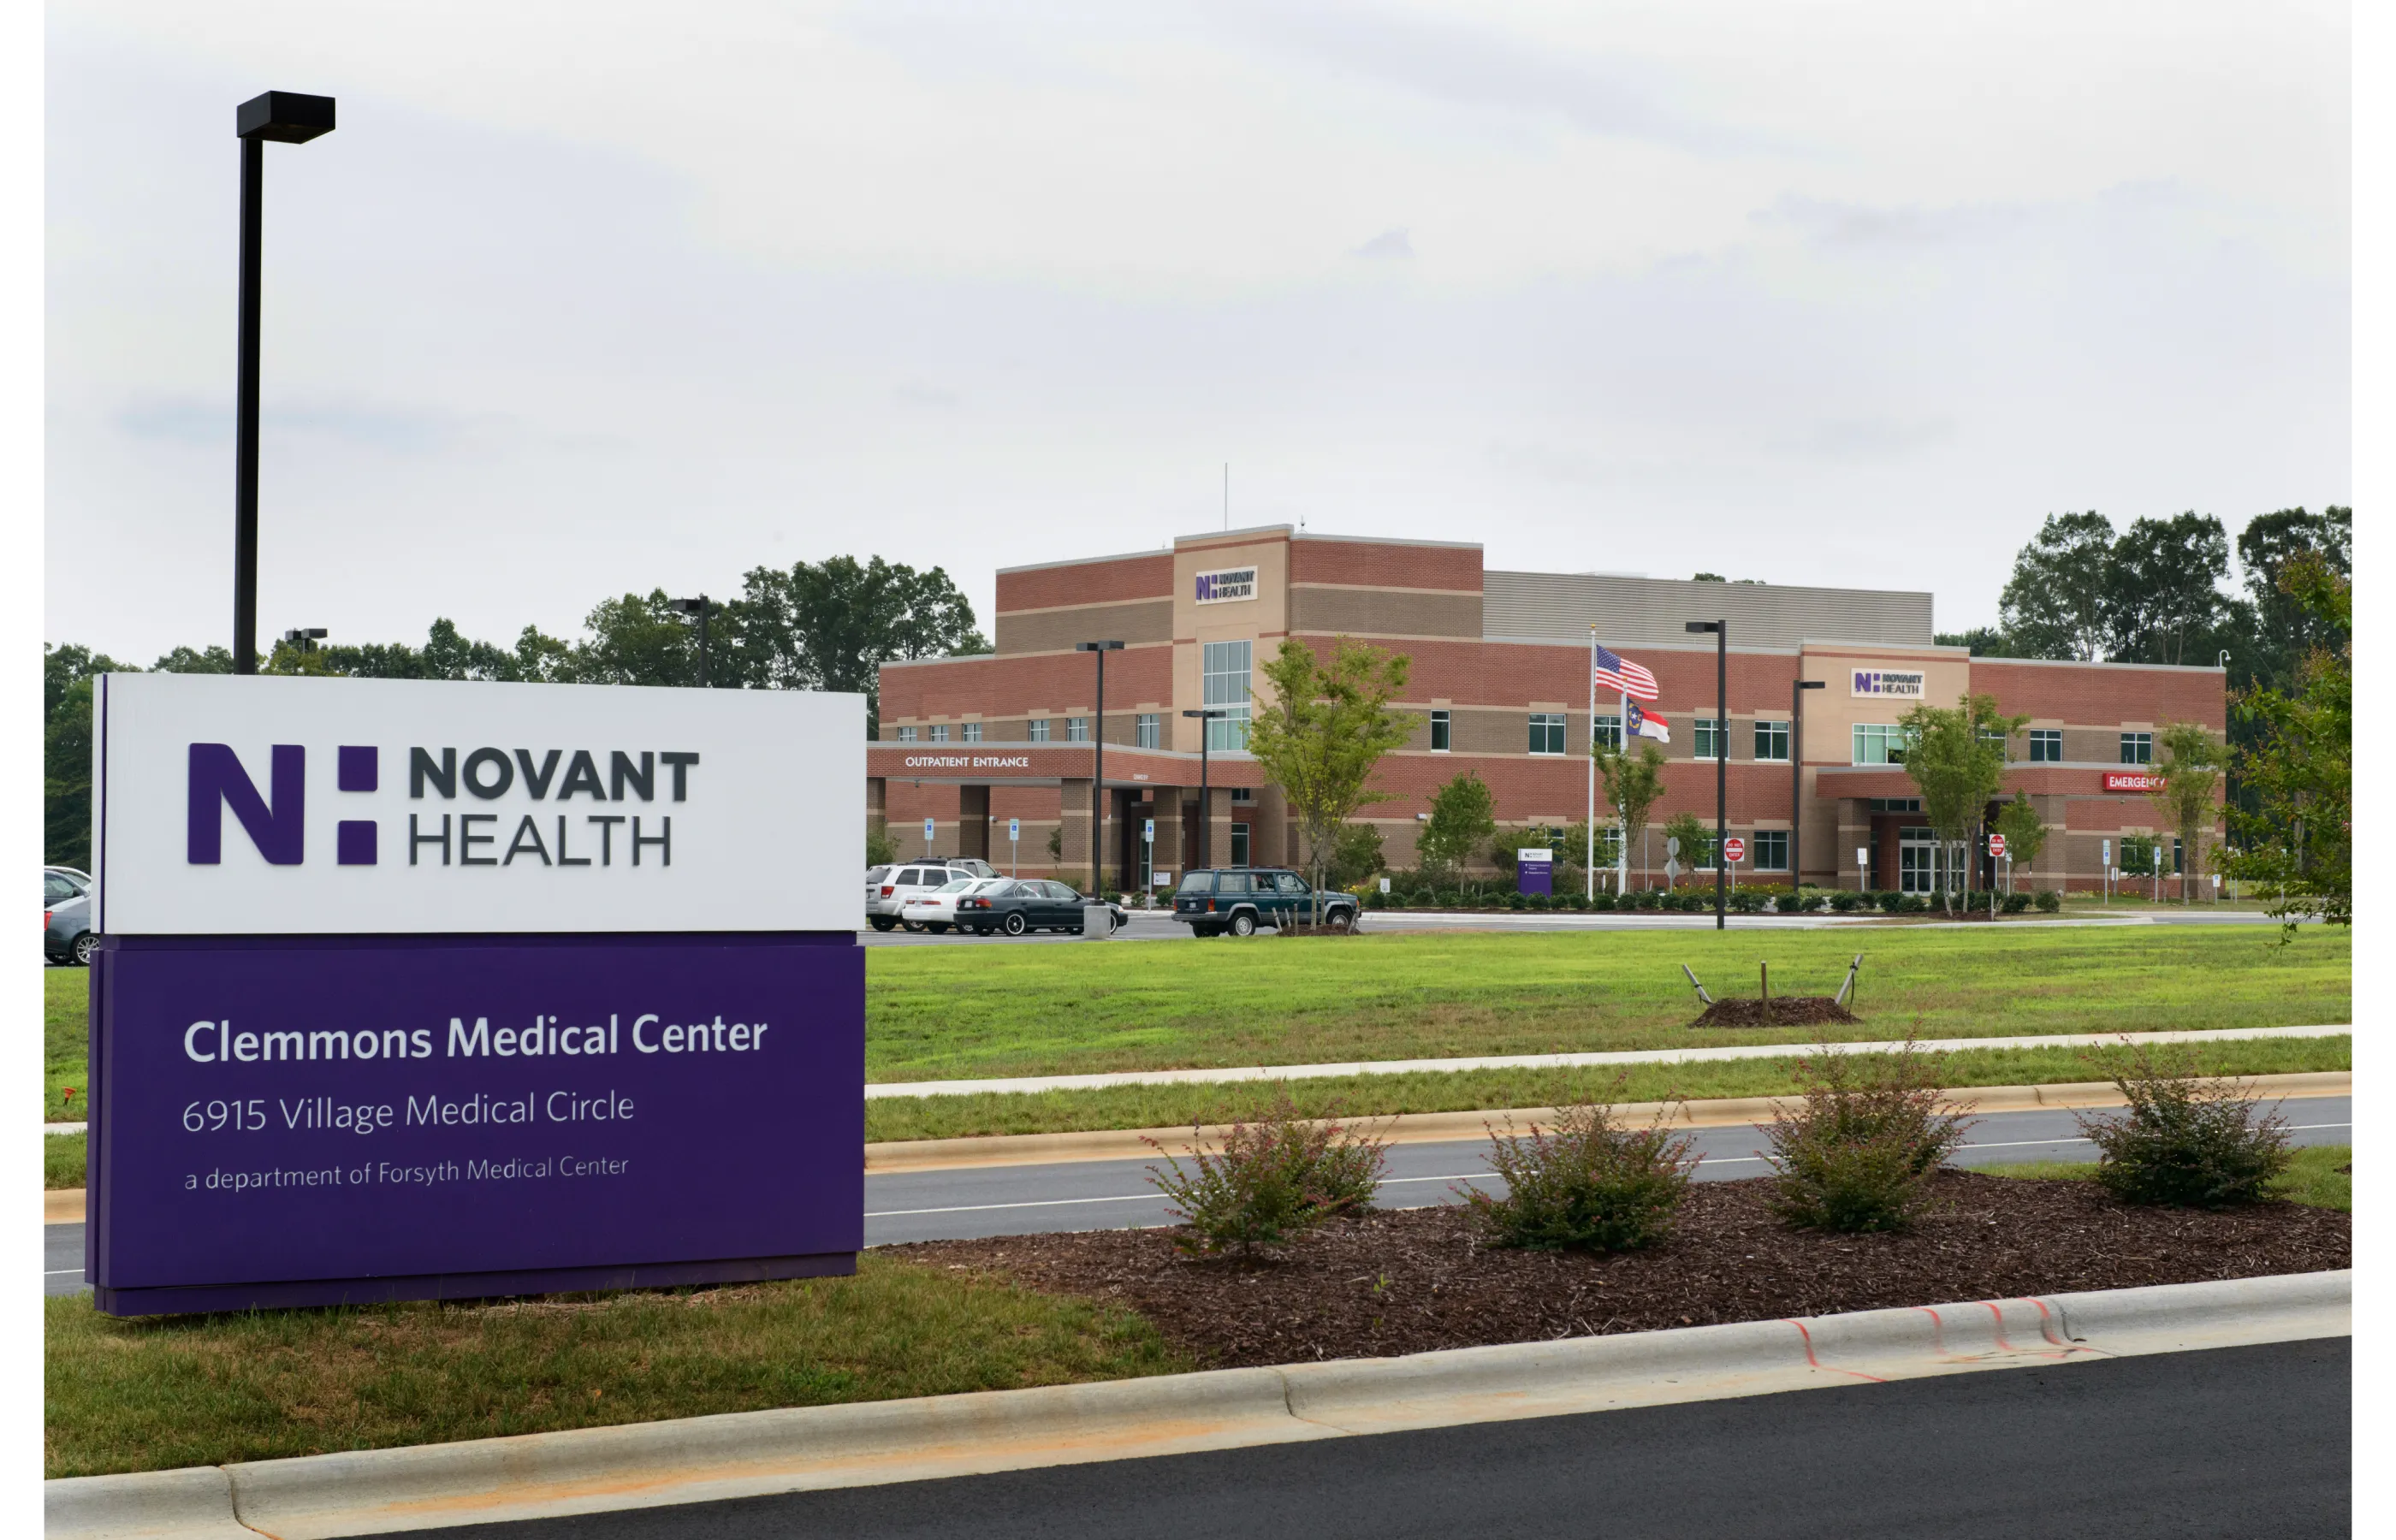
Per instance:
{"type": "Point", "coordinates": [1887, 682]}
{"type": "Point", "coordinates": [229, 805]}
{"type": "Point", "coordinates": [1226, 587]}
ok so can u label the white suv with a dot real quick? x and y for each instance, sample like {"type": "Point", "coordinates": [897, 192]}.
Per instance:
{"type": "Point", "coordinates": [888, 889]}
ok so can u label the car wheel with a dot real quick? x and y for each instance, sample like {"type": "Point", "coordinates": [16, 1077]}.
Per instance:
{"type": "Point", "coordinates": [1204, 932]}
{"type": "Point", "coordinates": [936, 927]}
{"type": "Point", "coordinates": [1015, 925]}
{"type": "Point", "coordinates": [82, 948]}
{"type": "Point", "coordinates": [884, 923]}
{"type": "Point", "coordinates": [1339, 922]}
{"type": "Point", "coordinates": [1243, 925]}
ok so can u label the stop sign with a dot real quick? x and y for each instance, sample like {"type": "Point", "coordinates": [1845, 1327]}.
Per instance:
{"type": "Point", "coordinates": [1996, 845]}
{"type": "Point", "coordinates": [1735, 850]}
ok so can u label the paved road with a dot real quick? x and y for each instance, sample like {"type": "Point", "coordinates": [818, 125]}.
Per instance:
{"type": "Point", "coordinates": [938, 1205]}
{"type": "Point", "coordinates": [2239, 1441]}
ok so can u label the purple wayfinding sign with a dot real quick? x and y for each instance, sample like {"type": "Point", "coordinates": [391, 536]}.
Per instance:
{"type": "Point", "coordinates": [417, 990]}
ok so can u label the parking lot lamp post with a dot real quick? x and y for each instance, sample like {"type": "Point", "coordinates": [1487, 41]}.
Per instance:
{"type": "Point", "coordinates": [1797, 689]}
{"type": "Point", "coordinates": [699, 606]}
{"type": "Point", "coordinates": [305, 637]}
{"type": "Point", "coordinates": [1721, 630]}
{"type": "Point", "coordinates": [1206, 717]}
{"type": "Point", "coordinates": [284, 117]}
{"type": "Point", "coordinates": [1098, 762]}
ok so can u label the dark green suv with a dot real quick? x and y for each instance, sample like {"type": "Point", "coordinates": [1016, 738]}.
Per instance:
{"type": "Point", "coordinates": [1238, 899]}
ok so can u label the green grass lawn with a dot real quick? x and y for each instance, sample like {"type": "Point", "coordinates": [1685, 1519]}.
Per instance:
{"type": "Point", "coordinates": [65, 1042]}
{"type": "Point", "coordinates": [186, 1390]}
{"type": "Point", "coordinates": [2319, 1176]}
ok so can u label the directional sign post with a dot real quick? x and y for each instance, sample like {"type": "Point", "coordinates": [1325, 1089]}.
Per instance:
{"type": "Point", "coordinates": [928, 837]}
{"type": "Point", "coordinates": [1734, 852]}
{"type": "Point", "coordinates": [1013, 832]}
{"type": "Point", "coordinates": [1996, 845]}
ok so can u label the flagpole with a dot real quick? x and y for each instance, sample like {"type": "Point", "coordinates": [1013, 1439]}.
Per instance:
{"type": "Point", "coordinates": [1622, 823]}
{"type": "Point", "coordinates": [1588, 823]}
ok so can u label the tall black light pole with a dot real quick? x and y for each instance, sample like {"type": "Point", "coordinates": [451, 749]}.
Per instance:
{"type": "Point", "coordinates": [699, 606]}
{"type": "Point", "coordinates": [1721, 630]}
{"type": "Point", "coordinates": [1098, 763]}
{"type": "Point", "coordinates": [1797, 689]}
{"type": "Point", "coordinates": [284, 117]}
{"type": "Point", "coordinates": [1206, 718]}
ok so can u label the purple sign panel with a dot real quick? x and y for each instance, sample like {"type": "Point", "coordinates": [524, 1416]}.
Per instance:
{"type": "Point", "coordinates": [294, 1122]}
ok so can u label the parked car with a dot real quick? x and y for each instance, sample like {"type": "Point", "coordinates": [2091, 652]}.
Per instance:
{"type": "Point", "coordinates": [1238, 899]}
{"type": "Point", "coordinates": [1019, 905]}
{"type": "Point", "coordinates": [935, 909]}
{"type": "Point", "coordinates": [66, 936]}
{"type": "Point", "coordinates": [888, 889]}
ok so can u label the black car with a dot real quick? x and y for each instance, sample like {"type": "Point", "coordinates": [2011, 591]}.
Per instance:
{"type": "Point", "coordinates": [1238, 899]}
{"type": "Point", "coordinates": [1019, 906]}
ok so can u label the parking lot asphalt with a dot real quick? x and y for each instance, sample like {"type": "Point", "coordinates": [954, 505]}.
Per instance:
{"type": "Point", "coordinates": [1027, 1200]}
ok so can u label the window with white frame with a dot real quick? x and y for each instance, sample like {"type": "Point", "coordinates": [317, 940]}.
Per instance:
{"type": "Point", "coordinates": [2137, 748]}
{"type": "Point", "coordinates": [1239, 844]}
{"type": "Point", "coordinates": [1442, 731]}
{"type": "Point", "coordinates": [972, 732]}
{"type": "Point", "coordinates": [939, 732]}
{"type": "Point", "coordinates": [1708, 741]}
{"type": "Point", "coordinates": [1606, 732]}
{"type": "Point", "coordinates": [1223, 684]}
{"type": "Point", "coordinates": [2046, 746]}
{"type": "Point", "coordinates": [1036, 729]}
{"type": "Point", "coordinates": [906, 735]}
{"type": "Point", "coordinates": [1146, 733]}
{"type": "Point", "coordinates": [1769, 850]}
{"type": "Point", "coordinates": [1244, 793]}
{"type": "Point", "coordinates": [1771, 740]}
{"type": "Point", "coordinates": [1547, 732]}
{"type": "Point", "coordinates": [1878, 743]}
{"type": "Point", "coordinates": [1077, 729]}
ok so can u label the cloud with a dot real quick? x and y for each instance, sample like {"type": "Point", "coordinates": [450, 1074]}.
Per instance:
{"type": "Point", "coordinates": [1396, 244]}
{"type": "Point", "coordinates": [207, 422]}
{"type": "Point", "coordinates": [1876, 438]}
{"type": "Point", "coordinates": [925, 397]}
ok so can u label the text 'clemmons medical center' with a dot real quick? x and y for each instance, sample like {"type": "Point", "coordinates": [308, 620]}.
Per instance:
{"type": "Point", "coordinates": [1500, 680]}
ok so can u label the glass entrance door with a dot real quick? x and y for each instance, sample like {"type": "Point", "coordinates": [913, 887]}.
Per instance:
{"type": "Point", "coordinates": [1917, 861]}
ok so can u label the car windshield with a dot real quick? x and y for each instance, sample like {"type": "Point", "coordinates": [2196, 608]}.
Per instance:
{"type": "Point", "coordinates": [960, 886]}
{"type": "Point", "coordinates": [875, 875]}
{"type": "Point", "coordinates": [988, 885]}
{"type": "Point", "coordinates": [1198, 881]}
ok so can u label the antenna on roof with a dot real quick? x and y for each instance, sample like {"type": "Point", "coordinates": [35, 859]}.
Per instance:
{"type": "Point", "coordinates": [1227, 496]}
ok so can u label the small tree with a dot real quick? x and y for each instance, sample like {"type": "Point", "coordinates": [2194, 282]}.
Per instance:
{"type": "Point", "coordinates": [2024, 828]}
{"type": "Point", "coordinates": [1355, 854]}
{"type": "Point", "coordinates": [1956, 756]}
{"type": "Point", "coordinates": [880, 848]}
{"type": "Point", "coordinates": [1696, 840]}
{"type": "Point", "coordinates": [2297, 838]}
{"type": "Point", "coordinates": [2190, 774]}
{"type": "Point", "coordinates": [1633, 785]}
{"type": "Point", "coordinates": [1323, 733]}
{"type": "Point", "coordinates": [1461, 823]}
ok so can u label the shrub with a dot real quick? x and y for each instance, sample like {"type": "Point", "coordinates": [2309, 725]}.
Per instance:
{"type": "Point", "coordinates": [1846, 903]}
{"type": "Point", "coordinates": [2048, 901]}
{"type": "Point", "coordinates": [1396, 901]}
{"type": "Point", "coordinates": [1589, 1183]}
{"type": "Point", "coordinates": [2184, 1140]}
{"type": "Point", "coordinates": [2016, 903]}
{"type": "Point", "coordinates": [1273, 1178]}
{"type": "Point", "coordinates": [1748, 901]}
{"type": "Point", "coordinates": [1516, 901]}
{"type": "Point", "coordinates": [1858, 1152]}
{"type": "Point", "coordinates": [1601, 900]}
{"type": "Point", "coordinates": [1913, 903]}
{"type": "Point", "coordinates": [1541, 901]}
{"type": "Point", "coordinates": [1890, 903]}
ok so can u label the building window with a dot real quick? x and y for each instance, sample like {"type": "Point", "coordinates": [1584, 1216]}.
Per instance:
{"type": "Point", "coordinates": [1244, 793]}
{"type": "Point", "coordinates": [1077, 729]}
{"type": "Point", "coordinates": [1772, 740]}
{"type": "Point", "coordinates": [1223, 681]}
{"type": "Point", "coordinates": [1709, 742]}
{"type": "Point", "coordinates": [1768, 849]}
{"type": "Point", "coordinates": [1145, 733]}
{"type": "Point", "coordinates": [2137, 748]}
{"type": "Point", "coordinates": [1037, 729]}
{"type": "Point", "coordinates": [1606, 732]}
{"type": "Point", "coordinates": [1896, 805]}
{"type": "Point", "coordinates": [1878, 743]}
{"type": "Point", "coordinates": [906, 735]}
{"type": "Point", "coordinates": [939, 732]}
{"type": "Point", "coordinates": [1439, 740]}
{"type": "Point", "coordinates": [1547, 732]}
{"type": "Point", "coordinates": [1239, 844]}
{"type": "Point", "coordinates": [2046, 746]}
{"type": "Point", "coordinates": [972, 732]}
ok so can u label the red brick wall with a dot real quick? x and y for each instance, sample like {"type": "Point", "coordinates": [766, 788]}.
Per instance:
{"type": "Point", "coordinates": [1144, 576]}
{"type": "Point", "coordinates": [1509, 673]}
{"type": "Point", "coordinates": [997, 686]}
{"type": "Point", "coordinates": [1372, 564]}
{"type": "Point", "coordinates": [2097, 696]}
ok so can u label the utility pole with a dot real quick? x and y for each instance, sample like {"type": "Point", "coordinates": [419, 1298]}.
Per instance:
{"type": "Point", "coordinates": [1098, 763]}
{"type": "Point", "coordinates": [1797, 783]}
{"type": "Point", "coordinates": [1721, 630]}
{"type": "Point", "coordinates": [1206, 717]}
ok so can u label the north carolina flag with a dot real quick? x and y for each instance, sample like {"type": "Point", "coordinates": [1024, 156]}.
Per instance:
{"type": "Point", "coordinates": [1643, 725]}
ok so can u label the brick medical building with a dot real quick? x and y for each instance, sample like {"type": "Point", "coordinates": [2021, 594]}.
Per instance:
{"type": "Point", "coordinates": [1500, 680]}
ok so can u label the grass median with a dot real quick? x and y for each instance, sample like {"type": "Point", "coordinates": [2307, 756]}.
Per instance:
{"type": "Point", "coordinates": [187, 1390]}
{"type": "Point", "coordinates": [896, 1118]}
{"type": "Point", "coordinates": [2319, 1176]}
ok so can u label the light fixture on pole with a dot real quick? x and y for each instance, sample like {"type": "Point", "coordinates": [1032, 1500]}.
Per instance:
{"type": "Point", "coordinates": [1098, 762]}
{"type": "Point", "coordinates": [699, 606]}
{"type": "Point", "coordinates": [1721, 630]}
{"type": "Point", "coordinates": [305, 637]}
{"type": "Point", "coordinates": [1206, 717]}
{"type": "Point", "coordinates": [1797, 689]}
{"type": "Point", "coordinates": [283, 117]}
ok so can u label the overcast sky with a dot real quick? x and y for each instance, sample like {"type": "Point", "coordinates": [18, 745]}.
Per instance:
{"type": "Point", "coordinates": [595, 297]}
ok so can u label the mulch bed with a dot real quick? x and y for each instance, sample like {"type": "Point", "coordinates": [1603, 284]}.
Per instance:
{"type": "Point", "coordinates": [1415, 1280]}
{"type": "Point", "coordinates": [1779, 1011]}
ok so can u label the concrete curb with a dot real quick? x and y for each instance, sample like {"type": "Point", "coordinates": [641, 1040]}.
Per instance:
{"type": "Point", "coordinates": [755, 1453]}
{"type": "Point", "coordinates": [1000, 1149]}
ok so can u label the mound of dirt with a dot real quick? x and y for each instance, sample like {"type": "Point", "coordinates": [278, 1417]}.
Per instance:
{"type": "Point", "coordinates": [1779, 1011]}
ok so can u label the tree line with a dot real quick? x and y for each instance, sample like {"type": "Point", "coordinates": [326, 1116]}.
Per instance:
{"type": "Point", "coordinates": [827, 625]}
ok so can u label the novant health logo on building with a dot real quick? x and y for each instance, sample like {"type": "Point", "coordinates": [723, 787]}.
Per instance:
{"type": "Point", "coordinates": [1226, 586]}
{"type": "Point", "coordinates": [1885, 681]}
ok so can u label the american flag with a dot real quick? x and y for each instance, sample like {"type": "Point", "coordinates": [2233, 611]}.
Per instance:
{"type": "Point", "coordinates": [1622, 676]}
